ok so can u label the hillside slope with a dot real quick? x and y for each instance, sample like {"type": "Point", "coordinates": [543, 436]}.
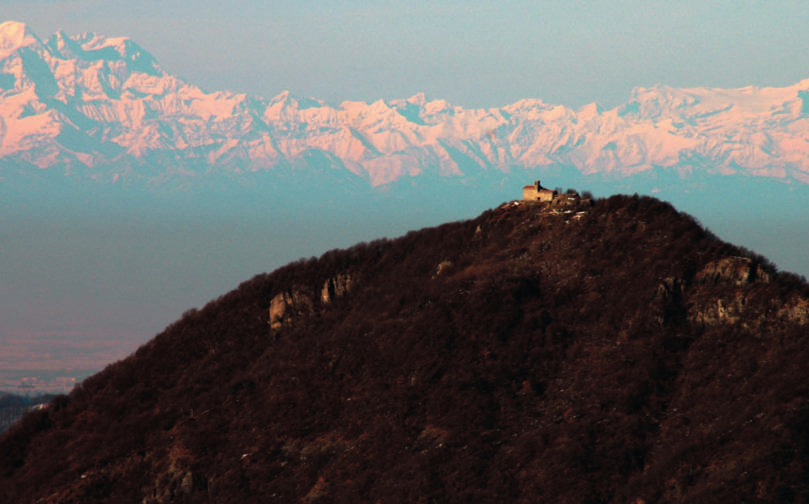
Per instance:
{"type": "Point", "coordinates": [613, 352]}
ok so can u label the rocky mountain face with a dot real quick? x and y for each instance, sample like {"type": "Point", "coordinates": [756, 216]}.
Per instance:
{"type": "Point", "coordinates": [102, 108]}
{"type": "Point", "coordinates": [604, 351]}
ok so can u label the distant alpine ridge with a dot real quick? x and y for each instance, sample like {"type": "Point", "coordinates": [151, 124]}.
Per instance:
{"type": "Point", "coordinates": [101, 108]}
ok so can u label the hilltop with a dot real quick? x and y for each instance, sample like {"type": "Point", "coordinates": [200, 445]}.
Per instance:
{"type": "Point", "coordinates": [604, 351]}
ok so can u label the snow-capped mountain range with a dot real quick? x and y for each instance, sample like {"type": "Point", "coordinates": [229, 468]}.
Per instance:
{"type": "Point", "coordinates": [103, 108]}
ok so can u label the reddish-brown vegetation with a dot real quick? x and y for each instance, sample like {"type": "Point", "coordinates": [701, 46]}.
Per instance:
{"type": "Point", "coordinates": [578, 357]}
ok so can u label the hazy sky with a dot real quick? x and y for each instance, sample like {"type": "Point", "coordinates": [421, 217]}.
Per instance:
{"type": "Point", "coordinates": [474, 54]}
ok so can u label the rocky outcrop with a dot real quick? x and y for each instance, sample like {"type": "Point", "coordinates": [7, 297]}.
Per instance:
{"type": "Point", "coordinates": [733, 271]}
{"type": "Point", "coordinates": [285, 306]}
{"type": "Point", "coordinates": [719, 311]}
{"type": "Point", "coordinates": [566, 200]}
{"type": "Point", "coordinates": [177, 481]}
{"type": "Point", "coordinates": [723, 292]}
{"type": "Point", "coordinates": [442, 267]}
{"type": "Point", "coordinates": [335, 287]}
{"type": "Point", "coordinates": [291, 304]}
{"type": "Point", "coordinates": [670, 289]}
{"type": "Point", "coordinates": [796, 311]}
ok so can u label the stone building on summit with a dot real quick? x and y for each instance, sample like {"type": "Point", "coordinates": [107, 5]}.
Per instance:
{"type": "Point", "coordinates": [535, 192]}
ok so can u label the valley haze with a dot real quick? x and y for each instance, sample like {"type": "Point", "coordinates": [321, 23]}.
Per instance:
{"type": "Point", "coordinates": [130, 195]}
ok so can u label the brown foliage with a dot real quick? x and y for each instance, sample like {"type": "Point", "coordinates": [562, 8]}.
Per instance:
{"type": "Point", "coordinates": [554, 357]}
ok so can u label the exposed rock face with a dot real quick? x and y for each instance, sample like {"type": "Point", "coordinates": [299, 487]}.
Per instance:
{"type": "Point", "coordinates": [176, 483]}
{"type": "Point", "coordinates": [722, 292]}
{"type": "Point", "coordinates": [565, 200]}
{"type": "Point", "coordinates": [796, 311]}
{"type": "Point", "coordinates": [670, 289]}
{"type": "Point", "coordinates": [442, 267]}
{"type": "Point", "coordinates": [278, 307]}
{"type": "Point", "coordinates": [286, 305]}
{"type": "Point", "coordinates": [727, 310]}
{"type": "Point", "coordinates": [733, 270]}
{"type": "Point", "coordinates": [335, 287]}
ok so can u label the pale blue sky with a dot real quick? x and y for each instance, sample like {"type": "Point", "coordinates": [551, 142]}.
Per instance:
{"type": "Point", "coordinates": [474, 54]}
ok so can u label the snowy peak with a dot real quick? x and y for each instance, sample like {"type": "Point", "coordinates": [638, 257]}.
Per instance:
{"type": "Point", "coordinates": [103, 106]}
{"type": "Point", "coordinates": [90, 47]}
{"type": "Point", "coordinates": [14, 36]}
{"type": "Point", "coordinates": [589, 111]}
{"type": "Point", "coordinates": [288, 100]}
{"type": "Point", "coordinates": [418, 99]}
{"type": "Point", "coordinates": [67, 68]}
{"type": "Point", "coordinates": [60, 43]}
{"type": "Point", "coordinates": [655, 101]}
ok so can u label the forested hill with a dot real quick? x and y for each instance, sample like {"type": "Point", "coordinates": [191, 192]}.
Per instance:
{"type": "Point", "coordinates": [606, 351]}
